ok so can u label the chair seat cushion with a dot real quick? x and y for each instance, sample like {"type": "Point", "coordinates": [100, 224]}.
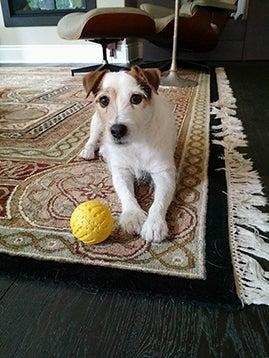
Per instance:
{"type": "Point", "coordinates": [113, 22]}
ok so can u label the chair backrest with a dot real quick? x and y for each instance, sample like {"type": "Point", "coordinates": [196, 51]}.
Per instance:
{"type": "Point", "coordinates": [222, 4]}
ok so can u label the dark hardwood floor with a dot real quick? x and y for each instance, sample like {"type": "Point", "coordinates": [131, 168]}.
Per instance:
{"type": "Point", "coordinates": [44, 315]}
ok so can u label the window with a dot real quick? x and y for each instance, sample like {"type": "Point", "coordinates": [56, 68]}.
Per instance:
{"type": "Point", "coordinates": [41, 12]}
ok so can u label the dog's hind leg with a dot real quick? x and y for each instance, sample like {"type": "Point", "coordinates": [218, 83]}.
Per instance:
{"type": "Point", "coordinates": [92, 145]}
{"type": "Point", "coordinates": [155, 227]}
{"type": "Point", "coordinates": [132, 217]}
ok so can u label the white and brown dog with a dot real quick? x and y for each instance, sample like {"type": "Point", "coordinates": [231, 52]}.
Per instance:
{"type": "Point", "coordinates": [134, 129]}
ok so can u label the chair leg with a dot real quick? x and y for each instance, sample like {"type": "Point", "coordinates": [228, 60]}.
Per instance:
{"type": "Point", "coordinates": [104, 48]}
{"type": "Point", "coordinates": [165, 65]}
{"type": "Point", "coordinates": [87, 69]}
{"type": "Point", "coordinates": [105, 65]}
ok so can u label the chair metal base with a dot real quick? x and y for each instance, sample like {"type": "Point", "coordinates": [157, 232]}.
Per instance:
{"type": "Point", "coordinates": [173, 79]}
{"type": "Point", "coordinates": [164, 65]}
{"type": "Point", "coordinates": [104, 66]}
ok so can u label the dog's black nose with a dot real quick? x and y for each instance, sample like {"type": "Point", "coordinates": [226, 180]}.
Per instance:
{"type": "Point", "coordinates": [118, 130]}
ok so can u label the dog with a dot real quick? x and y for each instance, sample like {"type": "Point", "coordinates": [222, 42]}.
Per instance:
{"type": "Point", "coordinates": [134, 129]}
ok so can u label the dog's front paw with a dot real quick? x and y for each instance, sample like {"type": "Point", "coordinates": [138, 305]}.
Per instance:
{"type": "Point", "coordinates": [87, 153]}
{"type": "Point", "coordinates": [154, 230]}
{"type": "Point", "coordinates": [133, 220]}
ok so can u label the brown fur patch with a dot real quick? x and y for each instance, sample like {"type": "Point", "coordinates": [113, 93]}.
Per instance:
{"type": "Point", "coordinates": [149, 76]}
{"type": "Point", "coordinates": [92, 81]}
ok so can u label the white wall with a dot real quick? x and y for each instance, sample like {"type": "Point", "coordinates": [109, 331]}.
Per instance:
{"type": "Point", "coordinates": [43, 45]}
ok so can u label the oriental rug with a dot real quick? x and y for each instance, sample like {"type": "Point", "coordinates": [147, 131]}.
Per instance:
{"type": "Point", "coordinates": [44, 125]}
{"type": "Point", "coordinates": [210, 253]}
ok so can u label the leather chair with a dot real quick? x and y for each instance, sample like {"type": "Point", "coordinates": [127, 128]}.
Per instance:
{"type": "Point", "coordinates": [105, 26]}
{"type": "Point", "coordinates": [200, 23]}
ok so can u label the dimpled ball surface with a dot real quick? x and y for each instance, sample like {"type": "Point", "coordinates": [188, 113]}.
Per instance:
{"type": "Point", "coordinates": [91, 222]}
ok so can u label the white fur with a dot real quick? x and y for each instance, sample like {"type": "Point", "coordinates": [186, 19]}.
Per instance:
{"type": "Point", "coordinates": [148, 147]}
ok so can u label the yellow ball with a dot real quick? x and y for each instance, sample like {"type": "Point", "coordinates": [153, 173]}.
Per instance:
{"type": "Point", "coordinates": [91, 222]}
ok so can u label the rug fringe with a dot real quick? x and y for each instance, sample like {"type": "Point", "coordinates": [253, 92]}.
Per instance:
{"type": "Point", "coordinates": [245, 196]}
{"type": "Point", "coordinates": [255, 281]}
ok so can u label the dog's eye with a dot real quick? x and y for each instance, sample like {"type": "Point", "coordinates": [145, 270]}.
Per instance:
{"type": "Point", "coordinates": [136, 98]}
{"type": "Point", "coordinates": [104, 101]}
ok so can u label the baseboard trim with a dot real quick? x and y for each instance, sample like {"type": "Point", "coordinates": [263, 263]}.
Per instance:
{"type": "Point", "coordinates": [88, 52]}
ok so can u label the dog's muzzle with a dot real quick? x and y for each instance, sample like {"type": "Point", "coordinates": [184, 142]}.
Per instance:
{"type": "Point", "coordinates": [118, 132]}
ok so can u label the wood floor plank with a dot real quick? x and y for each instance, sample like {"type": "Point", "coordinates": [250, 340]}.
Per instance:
{"type": "Point", "coordinates": [6, 280]}
{"type": "Point", "coordinates": [58, 319]}
{"type": "Point", "coordinates": [48, 315]}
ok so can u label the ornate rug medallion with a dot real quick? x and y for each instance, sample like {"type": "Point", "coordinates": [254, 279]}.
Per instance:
{"type": "Point", "coordinates": [44, 124]}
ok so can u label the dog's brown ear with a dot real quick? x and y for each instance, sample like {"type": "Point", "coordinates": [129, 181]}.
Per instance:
{"type": "Point", "coordinates": [151, 75]}
{"type": "Point", "coordinates": [92, 80]}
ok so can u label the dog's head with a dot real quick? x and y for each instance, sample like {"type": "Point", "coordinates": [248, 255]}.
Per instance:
{"type": "Point", "coordinates": [124, 100]}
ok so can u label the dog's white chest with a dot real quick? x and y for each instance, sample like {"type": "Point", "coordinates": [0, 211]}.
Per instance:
{"type": "Point", "coordinates": [138, 159]}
